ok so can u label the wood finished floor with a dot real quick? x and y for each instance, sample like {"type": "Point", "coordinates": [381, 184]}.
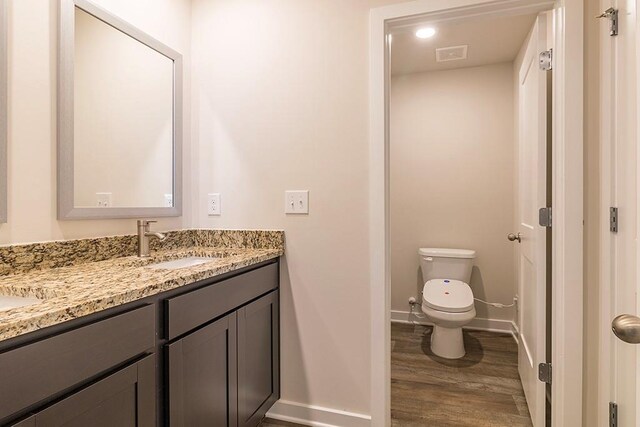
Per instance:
{"type": "Point", "coordinates": [481, 389]}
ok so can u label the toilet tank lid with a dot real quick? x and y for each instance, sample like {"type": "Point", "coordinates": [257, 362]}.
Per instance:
{"type": "Point", "coordinates": [447, 253]}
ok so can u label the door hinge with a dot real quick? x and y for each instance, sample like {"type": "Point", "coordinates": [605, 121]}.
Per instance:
{"type": "Point", "coordinates": [611, 14]}
{"type": "Point", "coordinates": [545, 217]}
{"type": "Point", "coordinates": [613, 219]}
{"type": "Point", "coordinates": [546, 60]}
{"type": "Point", "coordinates": [544, 372]}
{"type": "Point", "coordinates": [613, 414]}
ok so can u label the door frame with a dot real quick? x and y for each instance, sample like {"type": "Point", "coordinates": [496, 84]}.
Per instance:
{"type": "Point", "coordinates": [608, 135]}
{"type": "Point", "coordinates": [567, 186]}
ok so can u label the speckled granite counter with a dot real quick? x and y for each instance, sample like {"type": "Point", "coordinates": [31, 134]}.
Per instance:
{"type": "Point", "coordinates": [79, 277]}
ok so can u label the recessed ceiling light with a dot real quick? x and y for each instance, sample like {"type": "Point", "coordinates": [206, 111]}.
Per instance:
{"type": "Point", "coordinates": [425, 33]}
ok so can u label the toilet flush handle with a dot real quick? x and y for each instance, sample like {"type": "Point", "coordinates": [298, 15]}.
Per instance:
{"type": "Point", "coordinates": [428, 258]}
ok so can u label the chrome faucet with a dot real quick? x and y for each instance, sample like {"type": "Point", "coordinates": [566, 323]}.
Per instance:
{"type": "Point", "coordinates": [144, 233]}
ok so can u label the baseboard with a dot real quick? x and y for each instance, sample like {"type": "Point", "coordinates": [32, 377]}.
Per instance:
{"type": "Point", "coordinates": [478, 323]}
{"type": "Point", "coordinates": [316, 416]}
{"type": "Point", "coordinates": [515, 332]}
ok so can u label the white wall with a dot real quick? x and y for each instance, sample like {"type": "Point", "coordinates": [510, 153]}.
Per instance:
{"type": "Point", "coordinates": [280, 102]}
{"type": "Point", "coordinates": [32, 115]}
{"type": "Point", "coordinates": [452, 178]}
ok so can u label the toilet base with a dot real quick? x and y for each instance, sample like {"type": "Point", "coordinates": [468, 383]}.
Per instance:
{"type": "Point", "coordinates": [447, 342]}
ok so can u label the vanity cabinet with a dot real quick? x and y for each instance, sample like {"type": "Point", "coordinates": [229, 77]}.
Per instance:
{"type": "Point", "coordinates": [225, 373]}
{"type": "Point", "coordinates": [56, 365]}
{"type": "Point", "coordinates": [202, 380]}
{"type": "Point", "coordinates": [125, 398]}
{"type": "Point", "coordinates": [205, 354]}
{"type": "Point", "coordinates": [258, 359]}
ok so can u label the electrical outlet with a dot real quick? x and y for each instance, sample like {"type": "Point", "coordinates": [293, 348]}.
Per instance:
{"type": "Point", "coordinates": [104, 200]}
{"type": "Point", "coordinates": [296, 202]}
{"type": "Point", "coordinates": [213, 204]}
{"type": "Point", "coordinates": [168, 200]}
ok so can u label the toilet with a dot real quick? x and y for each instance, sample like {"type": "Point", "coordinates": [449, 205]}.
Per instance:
{"type": "Point", "coordinates": [447, 299]}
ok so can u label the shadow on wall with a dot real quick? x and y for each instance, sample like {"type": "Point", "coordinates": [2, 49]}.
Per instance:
{"type": "Point", "coordinates": [290, 336]}
{"type": "Point", "coordinates": [479, 291]}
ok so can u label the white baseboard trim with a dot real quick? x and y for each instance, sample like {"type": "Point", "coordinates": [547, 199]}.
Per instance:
{"type": "Point", "coordinates": [316, 416]}
{"type": "Point", "coordinates": [478, 323]}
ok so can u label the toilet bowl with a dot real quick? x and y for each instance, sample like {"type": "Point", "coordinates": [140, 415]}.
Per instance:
{"type": "Point", "coordinates": [448, 304]}
{"type": "Point", "coordinates": [447, 299]}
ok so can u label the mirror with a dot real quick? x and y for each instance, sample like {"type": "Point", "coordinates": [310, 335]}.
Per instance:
{"type": "Point", "coordinates": [119, 118]}
{"type": "Point", "coordinates": [4, 93]}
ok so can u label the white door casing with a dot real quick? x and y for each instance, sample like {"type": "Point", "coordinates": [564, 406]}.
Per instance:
{"type": "Point", "coordinates": [619, 376]}
{"type": "Point", "coordinates": [532, 195]}
{"type": "Point", "coordinates": [567, 192]}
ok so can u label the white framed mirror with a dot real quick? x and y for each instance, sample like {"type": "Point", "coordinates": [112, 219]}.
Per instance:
{"type": "Point", "coordinates": [119, 118]}
{"type": "Point", "coordinates": [4, 94]}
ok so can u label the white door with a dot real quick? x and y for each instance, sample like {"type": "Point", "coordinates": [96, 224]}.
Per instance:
{"type": "Point", "coordinates": [619, 279]}
{"type": "Point", "coordinates": [532, 195]}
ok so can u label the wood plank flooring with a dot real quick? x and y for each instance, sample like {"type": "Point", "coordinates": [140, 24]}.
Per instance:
{"type": "Point", "coordinates": [481, 389]}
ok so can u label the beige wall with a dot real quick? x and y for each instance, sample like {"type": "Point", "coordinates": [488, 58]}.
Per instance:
{"type": "Point", "coordinates": [280, 102]}
{"type": "Point", "coordinates": [452, 178]}
{"type": "Point", "coordinates": [32, 115]}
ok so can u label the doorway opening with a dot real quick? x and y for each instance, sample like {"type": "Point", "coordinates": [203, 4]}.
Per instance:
{"type": "Point", "coordinates": [468, 152]}
{"type": "Point", "coordinates": [441, 166]}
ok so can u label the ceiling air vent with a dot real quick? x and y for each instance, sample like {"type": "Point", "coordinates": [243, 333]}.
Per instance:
{"type": "Point", "coordinates": [453, 53]}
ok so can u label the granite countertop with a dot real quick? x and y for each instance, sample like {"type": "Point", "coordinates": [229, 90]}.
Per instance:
{"type": "Point", "coordinates": [78, 290]}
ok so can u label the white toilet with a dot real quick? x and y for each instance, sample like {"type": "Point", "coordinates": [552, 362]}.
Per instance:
{"type": "Point", "coordinates": [447, 299]}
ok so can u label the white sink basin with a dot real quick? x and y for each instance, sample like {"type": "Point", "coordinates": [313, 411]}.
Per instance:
{"type": "Point", "coordinates": [8, 301]}
{"type": "Point", "coordinates": [180, 263]}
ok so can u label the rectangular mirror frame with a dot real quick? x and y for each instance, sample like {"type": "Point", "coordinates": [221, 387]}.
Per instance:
{"type": "Point", "coordinates": [66, 33]}
{"type": "Point", "coordinates": [4, 111]}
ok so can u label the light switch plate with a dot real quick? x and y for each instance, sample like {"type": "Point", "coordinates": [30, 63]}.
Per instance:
{"type": "Point", "coordinates": [213, 204]}
{"type": "Point", "coordinates": [296, 202]}
{"type": "Point", "coordinates": [104, 200]}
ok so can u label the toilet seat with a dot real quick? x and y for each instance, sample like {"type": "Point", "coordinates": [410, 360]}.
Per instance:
{"type": "Point", "coordinates": [450, 296]}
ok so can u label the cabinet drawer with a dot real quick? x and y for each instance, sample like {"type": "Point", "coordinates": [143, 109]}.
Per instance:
{"type": "Point", "coordinates": [124, 398]}
{"type": "Point", "coordinates": [188, 311]}
{"type": "Point", "coordinates": [45, 368]}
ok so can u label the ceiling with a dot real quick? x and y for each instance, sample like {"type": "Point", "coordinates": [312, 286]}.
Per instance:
{"type": "Point", "coordinates": [490, 41]}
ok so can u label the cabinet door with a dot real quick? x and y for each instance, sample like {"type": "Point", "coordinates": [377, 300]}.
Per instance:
{"type": "Point", "coordinates": [202, 376]}
{"type": "Point", "coordinates": [258, 359]}
{"type": "Point", "coordinates": [29, 422]}
{"type": "Point", "coordinates": [125, 398]}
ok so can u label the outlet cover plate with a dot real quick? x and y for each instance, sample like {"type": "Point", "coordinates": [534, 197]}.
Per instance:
{"type": "Point", "coordinates": [296, 202]}
{"type": "Point", "coordinates": [104, 200]}
{"type": "Point", "coordinates": [213, 204]}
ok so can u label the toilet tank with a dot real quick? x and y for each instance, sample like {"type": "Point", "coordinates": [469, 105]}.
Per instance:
{"type": "Point", "coordinates": [441, 263]}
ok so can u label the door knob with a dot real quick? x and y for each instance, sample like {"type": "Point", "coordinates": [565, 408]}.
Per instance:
{"type": "Point", "coordinates": [627, 328]}
{"type": "Point", "coordinates": [513, 237]}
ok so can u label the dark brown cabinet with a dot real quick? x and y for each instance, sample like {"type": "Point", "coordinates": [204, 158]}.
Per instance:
{"type": "Point", "coordinates": [202, 382]}
{"type": "Point", "coordinates": [227, 372]}
{"type": "Point", "coordinates": [258, 359]}
{"type": "Point", "coordinates": [125, 398]}
{"type": "Point", "coordinates": [206, 354]}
